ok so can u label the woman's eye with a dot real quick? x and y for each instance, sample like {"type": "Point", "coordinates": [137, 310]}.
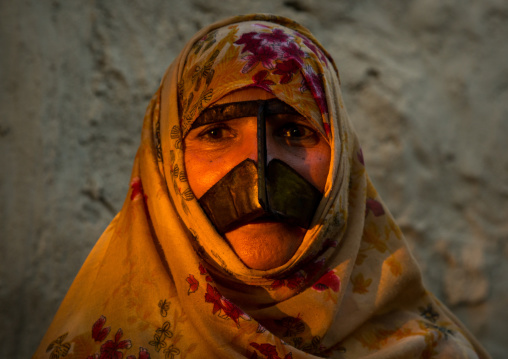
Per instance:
{"type": "Point", "coordinates": [216, 133]}
{"type": "Point", "coordinates": [298, 135]}
{"type": "Point", "coordinates": [294, 130]}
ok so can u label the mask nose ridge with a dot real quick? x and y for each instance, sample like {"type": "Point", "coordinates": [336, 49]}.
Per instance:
{"type": "Point", "coordinates": [261, 162]}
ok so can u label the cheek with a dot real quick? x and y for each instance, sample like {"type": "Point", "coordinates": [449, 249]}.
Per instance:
{"type": "Point", "coordinates": [202, 173]}
{"type": "Point", "coordinates": [312, 163]}
{"type": "Point", "coordinates": [319, 167]}
{"type": "Point", "coordinates": [206, 164]}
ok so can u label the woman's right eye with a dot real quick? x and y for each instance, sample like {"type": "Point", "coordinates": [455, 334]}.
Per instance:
{"type": "Point", "coordinates": [216, 133]}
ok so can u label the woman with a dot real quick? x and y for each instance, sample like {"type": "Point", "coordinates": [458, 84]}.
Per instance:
{"type": "Point", "coordinates": [251, 228]}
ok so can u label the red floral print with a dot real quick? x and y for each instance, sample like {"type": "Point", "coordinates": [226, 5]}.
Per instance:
{"type": "Point", "coordinates": [314, 49]}
{"type": "Point", "coordinates": [110, 349]}
{"type": "Point", "coordinates": [277, 35]}
{"type": "Point", "coordinates": [269, 351]}
{"type": "Point", "coordinates": [137, 189]}
{"type": "Point", "coordinates": [295, 281]}
{"type": "Point", "coordinates": [223, 305]}
{"type": "Point", "coordinates": [232, 311]}
{"type": "Point", "coordinates": [307, 274]}
{"type": "Point", "coordinates": [253, 41]}
{"type": "Point", "coordinates": [193, 284]}
{"type": "Point", "coordinates": [143, 354]}
{"type": "Point", "coordinates": [276, 284]}
{"type": "Point", "coordinates": [264, 54]}
{"type": "Point", "coordinates": [98, 332]}
{"type": "Point", "coordinates": [286, 69]}
{"type": "Point", "coordinates": [202, 269]}
{"type": "Point", "coordinates": [359, 155]}
{"type": "Point", "coordinates": [292, 282]}
{"type": "Point", "coordinates": [375, 207]}
{"type": "Point", "coordinates": [268, 47]}
{"type": "Point", "coordinates": [314, 268]}
{"type": "Point", "coordinates": [213, 296]}
{"type": "Point", "coordinates": [328, 281]}
{"type": "Point", "coordinates": [250, 40]}
{"type": "Point", "coordinates": [314, 83]}
{"type": "Point", "coordinates": [260, 80]}
{"type": "Point", "coordinates": [292, 51]}
{"type": "Point", "coordinates": [327, 128]}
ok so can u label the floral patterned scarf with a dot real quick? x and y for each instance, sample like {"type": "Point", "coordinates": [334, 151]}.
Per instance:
{"type": "Point", "coordinates": [161, 282]}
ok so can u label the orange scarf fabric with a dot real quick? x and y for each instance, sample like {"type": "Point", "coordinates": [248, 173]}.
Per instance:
{"type": "Point", "coordinates": [161, 282]}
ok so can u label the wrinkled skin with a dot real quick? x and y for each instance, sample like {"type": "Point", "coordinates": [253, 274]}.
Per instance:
{"type": "Point", "coordinates": [212, 150]}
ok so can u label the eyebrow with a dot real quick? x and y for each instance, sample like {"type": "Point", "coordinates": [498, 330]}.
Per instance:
{"type": "Point", "coordinates": [229, 111]}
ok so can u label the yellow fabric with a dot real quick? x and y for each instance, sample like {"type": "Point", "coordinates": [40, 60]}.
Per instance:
{"type": "Point", "coordinates": [161, 282]}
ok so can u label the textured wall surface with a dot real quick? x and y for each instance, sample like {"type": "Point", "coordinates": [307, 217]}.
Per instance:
{"type": "Point", "coordinates": [425, 82]}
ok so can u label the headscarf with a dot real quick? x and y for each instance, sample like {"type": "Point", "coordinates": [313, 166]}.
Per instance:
{"type": "Point", "coordinates": [161, 282]}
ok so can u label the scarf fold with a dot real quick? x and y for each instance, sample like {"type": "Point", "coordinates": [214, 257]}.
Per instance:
{"type": "Point", "coordinates": [161, 282]}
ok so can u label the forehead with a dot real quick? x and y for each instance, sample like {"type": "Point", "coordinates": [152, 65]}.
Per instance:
{"type": "Point", "coordinates": [245, 94]}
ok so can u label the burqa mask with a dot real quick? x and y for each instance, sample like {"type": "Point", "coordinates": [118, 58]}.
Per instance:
{"type": "Point", "coordinates": [253, 191]}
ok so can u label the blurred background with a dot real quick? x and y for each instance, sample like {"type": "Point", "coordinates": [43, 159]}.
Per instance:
{"type": "Point", "coordinates": [425, 83]}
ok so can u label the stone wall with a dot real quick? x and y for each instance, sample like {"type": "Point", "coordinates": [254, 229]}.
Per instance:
{"type": "Point", "coordinates": [425, 82]}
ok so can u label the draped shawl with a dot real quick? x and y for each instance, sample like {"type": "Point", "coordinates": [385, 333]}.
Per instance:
{"type": "Point", "coordinates": [161, 282]}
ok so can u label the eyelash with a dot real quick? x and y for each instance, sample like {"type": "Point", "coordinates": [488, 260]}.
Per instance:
{"type": "Point", "coordinates": [308, 138]}
{"type": "Point", "coordinates": [205, 134]}
{"type": "Point", "coordinates": [294, 125]}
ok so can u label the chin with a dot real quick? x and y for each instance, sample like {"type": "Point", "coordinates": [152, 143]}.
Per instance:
{"type": "Point", "coordinates": [265, 245]}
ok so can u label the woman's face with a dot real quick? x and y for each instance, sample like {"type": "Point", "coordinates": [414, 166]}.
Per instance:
{"type": "Point", "coordinates": [213, 149]}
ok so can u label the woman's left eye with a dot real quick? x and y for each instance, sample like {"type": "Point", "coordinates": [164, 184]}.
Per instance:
{"type": "Point", "coordinates": [294, 130]}
{"type": "Point", "coordinates": [297, 134]}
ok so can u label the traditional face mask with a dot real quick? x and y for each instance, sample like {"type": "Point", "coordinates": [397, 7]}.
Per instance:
{"type": "Point", "coordinates": [248, 192]}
